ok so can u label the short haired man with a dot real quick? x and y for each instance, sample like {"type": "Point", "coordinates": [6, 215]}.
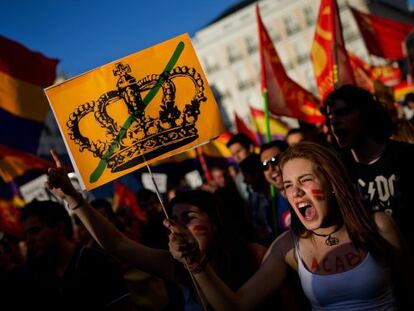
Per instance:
{"type": "Point", "coordinates": [381, 169]}
{"type": "Point", "coordinates": [240, 146]}
{"type": "Point", "coordinates": [60, 275]}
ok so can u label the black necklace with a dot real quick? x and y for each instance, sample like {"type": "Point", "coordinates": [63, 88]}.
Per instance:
{"type": "Point", "coordinates": [330, 240]}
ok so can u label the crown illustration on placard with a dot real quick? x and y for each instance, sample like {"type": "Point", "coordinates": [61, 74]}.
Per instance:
{"type": "Point", "coordinates": [144, 134]}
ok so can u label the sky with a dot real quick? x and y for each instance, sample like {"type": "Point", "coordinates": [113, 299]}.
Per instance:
{"type": "Point", "coordinates": [85, 34]}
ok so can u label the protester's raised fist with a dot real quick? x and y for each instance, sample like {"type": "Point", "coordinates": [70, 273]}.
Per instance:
{"type": "Point", "coordinates": [182, 244]}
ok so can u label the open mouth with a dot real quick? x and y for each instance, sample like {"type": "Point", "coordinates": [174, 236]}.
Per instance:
{"type": "Point", "coordinates": [307, 210]}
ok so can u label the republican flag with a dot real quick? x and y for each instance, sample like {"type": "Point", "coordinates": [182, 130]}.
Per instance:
{"type": "Point", "coordinates": [10, 217]}
{"type": "Point", "coordinates": [14, 163]}
{"type": "Point", "coordinates": [402, 89]}
{"type": "Point", "coordinates": [383, 37]}
{"type": "Point", "coordinates": [23, 105]}
{"type": "Point", "coordinates": [217, 149]}
{"type": "Point", "coordinates": [278, 128]}
{"type": "Point", "coordinates": [285, 96]}
{"type": "Point", "coordinates": [331, 65]}
{"type": "Point", "coordinates": [243, 128]}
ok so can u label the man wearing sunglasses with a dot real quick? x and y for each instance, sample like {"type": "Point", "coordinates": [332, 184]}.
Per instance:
{"type": "Point", "coordinates": [269, 157]}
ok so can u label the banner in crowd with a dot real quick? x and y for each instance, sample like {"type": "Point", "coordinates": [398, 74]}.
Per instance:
{"type": "Point", "coordinates": [143, 107]}
{"type": "Point", "coordinates": [330, 61]}
{"type": "Point", "coordinates": [14, 163]}
{"type": "Point", "coordinates": [383, 37]}
{"type": "Point", "coordinates": [365, 74]}
{"type": "Point", "coordinates": [242, 127]}
{"type": "Point", "coordinates": [278, 128]}
{"type": "Point", "coordinates": [23, 105]}
{"type": "Point", "coordinates": [285, 96]}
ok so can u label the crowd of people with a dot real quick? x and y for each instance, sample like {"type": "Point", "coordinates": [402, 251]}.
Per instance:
{"type": "Point", "coordinates": [320, 220]}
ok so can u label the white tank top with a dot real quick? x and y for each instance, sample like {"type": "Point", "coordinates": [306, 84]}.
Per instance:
{"type": "Point", "coordinates": [364, 287]}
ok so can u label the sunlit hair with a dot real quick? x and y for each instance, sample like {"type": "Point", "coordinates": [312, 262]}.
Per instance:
{"type": "Point", "coordinates": [344, 199]}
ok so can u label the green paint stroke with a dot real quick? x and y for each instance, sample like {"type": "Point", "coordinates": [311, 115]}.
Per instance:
{"type": "Point", "coordinates": [97, 173]}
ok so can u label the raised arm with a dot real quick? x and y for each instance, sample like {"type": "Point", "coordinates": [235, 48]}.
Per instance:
{"type": "Point", "coordinates": [257, 289]}
{"type": "Point", "coordinates": [153, 261]}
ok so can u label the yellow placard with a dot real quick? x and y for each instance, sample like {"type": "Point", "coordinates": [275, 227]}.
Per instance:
{"type": "Point", "coordinates": [140, 108]}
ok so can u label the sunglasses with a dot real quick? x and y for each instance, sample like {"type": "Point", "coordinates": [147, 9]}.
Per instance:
{"type": "Point", "coordinates": [273, 161]}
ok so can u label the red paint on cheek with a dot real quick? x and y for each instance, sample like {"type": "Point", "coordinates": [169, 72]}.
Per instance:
{"type": "Point", "coordinates": [199, 229]}
{"type": "Point", "coordinates": [318, 194]}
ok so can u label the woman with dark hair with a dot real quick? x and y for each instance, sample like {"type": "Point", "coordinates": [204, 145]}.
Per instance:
{"type": "Point", "coordinates": [198, 211]}
{"type": "Point", "coordinates": [234, 260]}
{"type": "Point", "coordinates": [346, 258]}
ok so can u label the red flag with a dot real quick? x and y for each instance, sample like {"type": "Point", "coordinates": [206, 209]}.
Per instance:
{"type": "Point", "coordinates": [362, 72]}
{"type": "Point", "coordinates": [388, 75]}
{"type": "Point", "coordinates": [383, 37]}
{"type": "Point", "coordinates": [123, 196]}
{"type": "Point", "coordinates": [329, 57]}
{"type": "Point", "coordinates": [366, 74]}
{"type": "Point", "coordinates": [243, 128]}
{"type": "Point", "coordinates": [23, 105]}
{"type": "Point", "coordinates": [286, 97]}
{"type": "Point", "coordinates": [14, 163]}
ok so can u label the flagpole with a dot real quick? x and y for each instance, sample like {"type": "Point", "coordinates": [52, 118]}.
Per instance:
{"type": "Point", "coordinates": [197, 288]}
{"type": "Point", "coordinates": [335, 72]}
{"type": "Point", "coordinates": [334, 47]}
{"type": "Point", "coordinates": [203, 163]}
{"type": "Point", "coordinates": [266, 111]}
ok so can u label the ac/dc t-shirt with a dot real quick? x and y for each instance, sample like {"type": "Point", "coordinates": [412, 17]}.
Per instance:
{"type": "Point", "coordinates": [386, 184]}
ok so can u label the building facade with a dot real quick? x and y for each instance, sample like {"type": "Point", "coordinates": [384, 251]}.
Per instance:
{"type": "Point", "coordinates": [228, 48]}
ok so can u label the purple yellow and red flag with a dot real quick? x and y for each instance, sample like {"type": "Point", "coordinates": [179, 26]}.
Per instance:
{"type": "Point", "coordinates": [278, 128]}
{"type": "Point", "coordinates": [383, 37]}
{"type": "Point", "coordinates": [14, 163]}
{"type": "Point", "coordinates": [286, 97]}
{"type": "Point", "coordinates": [10, 218]}
{"type": "Point", "coordinates": [331, 64]}
{"type": "Point", "coordinates": [402, 89]}
{"type": "Point", "coordinates": [23, 106]}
